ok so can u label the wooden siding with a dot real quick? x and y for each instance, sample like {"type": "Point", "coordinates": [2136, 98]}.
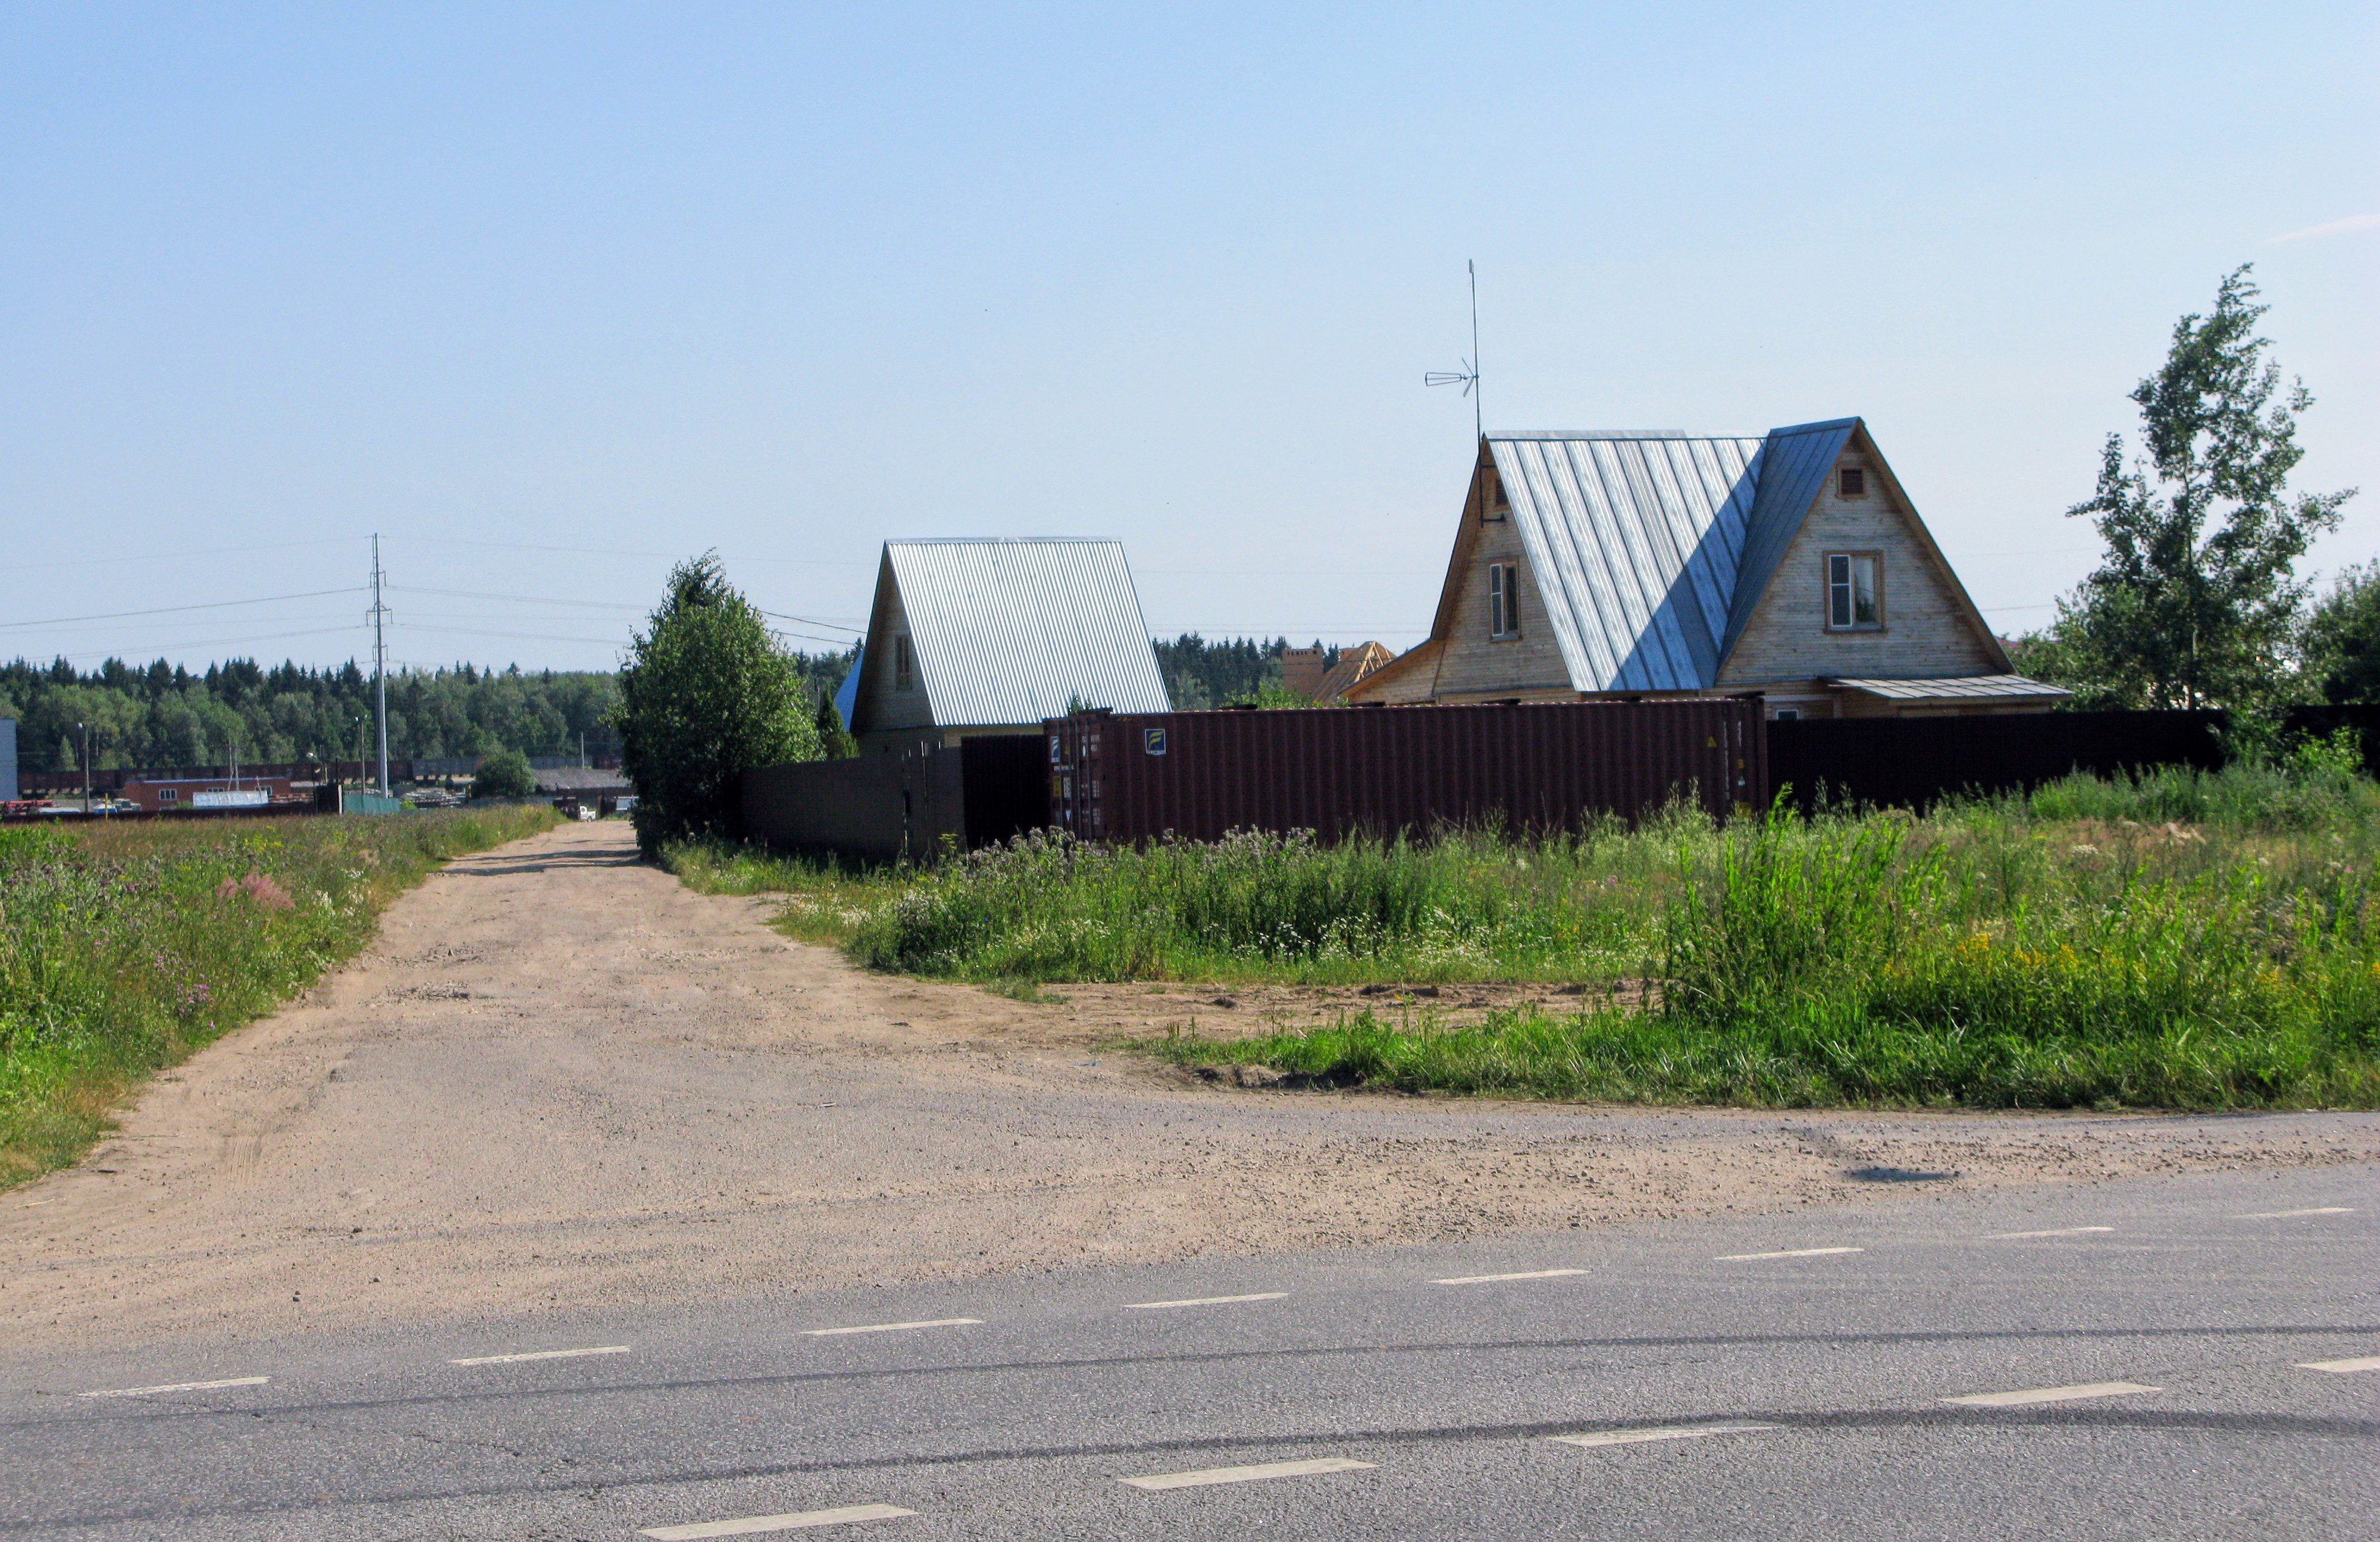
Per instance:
{"type": "Point", "coordinates": [1409, 679]}
{"type": "Point", "coordinates": [877, 707]}
{"type": "Point", "coordinates": [1475, 663]}
{"type": "Point", "coordinates": [1927, 631]}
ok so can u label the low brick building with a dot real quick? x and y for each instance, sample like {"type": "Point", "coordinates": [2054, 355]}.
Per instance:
{"type": "Point", "coordinates": [168, 794]}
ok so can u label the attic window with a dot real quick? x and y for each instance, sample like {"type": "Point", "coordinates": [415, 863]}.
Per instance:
{"type": "Point", "coordinates": [1503, 601]}
{"type": "Point", "coordinates": [1854, 591]}
{"type": "Point", "coordinates": [905, 663]}
{"type": "Point", "coordinates": [1853, 480]}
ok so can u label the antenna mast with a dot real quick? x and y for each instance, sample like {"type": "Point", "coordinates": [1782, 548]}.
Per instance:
{"type": "Point", "coordinates": [1469, 376]}
{"type": "Point", "coordinates": [380, 665]}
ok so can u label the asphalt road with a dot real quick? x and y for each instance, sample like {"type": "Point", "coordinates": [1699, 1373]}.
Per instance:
{"type": "Point", "coordinates": [1777, 1376]}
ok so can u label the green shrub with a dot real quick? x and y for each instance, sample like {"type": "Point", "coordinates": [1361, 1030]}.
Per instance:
{"type": "Point", "coordinates": [505, 773]}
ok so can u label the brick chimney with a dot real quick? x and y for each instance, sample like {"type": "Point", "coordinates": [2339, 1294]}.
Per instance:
{"type": "Point", "coordinates": [1301, 672]}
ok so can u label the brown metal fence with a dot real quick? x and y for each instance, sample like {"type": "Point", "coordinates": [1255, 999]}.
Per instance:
{"type": "Point", "coordinates": [1537, 767]}
{"type": "Point", "coordinates": [1911, 763]}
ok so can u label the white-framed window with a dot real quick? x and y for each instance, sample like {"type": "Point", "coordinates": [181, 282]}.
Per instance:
{"type": "Point", "coordinates": [1854, 591]}
{"type": "Point", "coordinates": [1504, 599]}
{"type": "Point", "coordinates": [905, 663]}
{"type": "Point", "coordinates": [168, 794]}
{"type": "Point", "coordinates": [1789, 715]}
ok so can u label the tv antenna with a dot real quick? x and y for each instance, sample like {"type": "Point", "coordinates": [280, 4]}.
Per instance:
{"type": "Point", "coordinates": [1469, 377]}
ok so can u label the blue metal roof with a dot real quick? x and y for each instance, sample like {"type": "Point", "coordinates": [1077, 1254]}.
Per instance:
{"type": "Point", "coordinates": [1013, 631]}
{"type": "Point", "coordinates": [847, 695]}
{"type": "Point", "coordinates": [1793, 465]}
{"type": "Point", "coordinates": [1651, 549]}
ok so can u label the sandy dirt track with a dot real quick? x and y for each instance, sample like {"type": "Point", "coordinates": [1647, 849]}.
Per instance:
{"type": "Point", "coordinates": [561, 1079]}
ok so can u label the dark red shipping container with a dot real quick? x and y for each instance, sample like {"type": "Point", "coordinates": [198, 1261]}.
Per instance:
{"type": "Point", "coordinates": [1537, 767]}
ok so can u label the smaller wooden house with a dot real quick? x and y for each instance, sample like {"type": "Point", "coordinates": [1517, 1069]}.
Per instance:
{"type": "Point", "coordinates": [971, 637]}
{"type": "Point", "coordinates": [1635, 565]}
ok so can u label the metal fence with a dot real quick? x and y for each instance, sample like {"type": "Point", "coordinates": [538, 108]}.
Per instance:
{"type": "Point", "coordinates": [1910, 762]}
{"type": "Point", "coordinates": [1531, 767]}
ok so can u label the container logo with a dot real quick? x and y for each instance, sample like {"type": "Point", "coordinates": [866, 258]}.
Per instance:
{"type": "Point", "coordinates": [1153, 740]}
{"type": "Point", "coordinates": [1054, 756]}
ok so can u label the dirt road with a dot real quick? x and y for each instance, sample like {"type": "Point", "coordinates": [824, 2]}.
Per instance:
{"type": "Point", "coordinates": [560, 1079]}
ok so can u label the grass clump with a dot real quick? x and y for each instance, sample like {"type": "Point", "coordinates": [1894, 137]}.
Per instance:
{"type": "Point", "coordinates": [1873, 961]}
{"type": "Point", "coordinates": [125, 947]}
{"type": "Point", "coordinates": [2176, 939]}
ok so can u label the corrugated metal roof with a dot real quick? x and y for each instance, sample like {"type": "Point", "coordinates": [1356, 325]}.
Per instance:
{"type": "Point", "coordinates": [1635, 540]}
{"type": "Point", "coordinates": [576, 779]}
{"type": "Point", "coordinates": [1793, 465]}
{"type": "Point", "coordinates": [1943, 690]}
{"type": "Point", "coordinates": [1651, 549]}
{"type": "Point", "coordinates": [1014, 631]}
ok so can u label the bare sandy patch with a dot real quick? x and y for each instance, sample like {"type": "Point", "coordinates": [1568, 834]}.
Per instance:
{"type": "Point", "coordinates": [561, 1079]}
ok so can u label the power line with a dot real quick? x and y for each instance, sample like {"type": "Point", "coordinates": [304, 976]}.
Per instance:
{"type": "Point", "coordinates": [177, 556]}
{"type": "Point", "coordinates": [619, 551]}
{"type": "Point", "coordinates": [210, 642]}
{"type": "Point", "coordinates": [807, 621]}
{"type": "Point", "coordinates": [517, 599]}
{"type": "Point", "coordinates": [175, 610]}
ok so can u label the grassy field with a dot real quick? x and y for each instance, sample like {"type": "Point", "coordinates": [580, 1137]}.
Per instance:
{"type": "Point", "coordinates": [125, 947]}
{"type": "Point", "coordinates": [2185, 938]}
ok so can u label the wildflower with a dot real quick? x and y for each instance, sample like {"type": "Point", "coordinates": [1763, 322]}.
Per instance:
{"type": "Point", "coordinates": [259, 889]}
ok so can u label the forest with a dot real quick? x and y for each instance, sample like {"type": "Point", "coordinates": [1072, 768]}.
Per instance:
{"type": "Point", "coordinates": [163, 714]}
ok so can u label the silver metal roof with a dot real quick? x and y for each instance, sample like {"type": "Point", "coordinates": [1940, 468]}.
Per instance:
{"type": "Point", "coordinates": [1952, 689]}
{"type": "Point", "coordinates": [1634, 541]}
{"type": "Point", "coordinates": [1650, 549]}
{"type": "Point", "coordinates": [1011, 631]}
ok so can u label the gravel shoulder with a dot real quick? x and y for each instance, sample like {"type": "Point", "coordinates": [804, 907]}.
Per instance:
{"type": "Point", "coordinates": [561, 1080]}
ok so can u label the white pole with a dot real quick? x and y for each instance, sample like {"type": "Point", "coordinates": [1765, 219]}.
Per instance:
{"type": "Point", "coordinates": [379, 666]}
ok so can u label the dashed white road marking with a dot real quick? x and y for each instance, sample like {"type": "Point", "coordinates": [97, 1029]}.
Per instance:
{"type": "Point", "coordinates": [1244, 1475]}
{"type": "Point", "coordinates": [1788, 1253]}
{"type": "Point", "coordinates": [2341, 1367]}
{"type": "Point", "coordinates": [2054, 1232]}
{"type": "Point", "coordinates": [2053, 1394]}
{"type": "Point", "coordinates": [538, 1354]}
{"type": "Point", "coordinates": [181, 1387]}
{"type": "Point", "coordinates": [890, 1326]}
{"type": "Point", "coordinates": [1668, 1432]}
{"type": "Point", "coordinates": [753, 1524]}
{"type": "Point", "coordinates": [1202, 1301]}
{"type": "Point", "coordinates": [2284, 1214]}
{"type": "Point", "coordinates": [1492, 1278]}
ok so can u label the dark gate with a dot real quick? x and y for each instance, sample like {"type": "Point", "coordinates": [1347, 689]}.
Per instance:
{"type": "Point", "coordinates": [1006, 777]}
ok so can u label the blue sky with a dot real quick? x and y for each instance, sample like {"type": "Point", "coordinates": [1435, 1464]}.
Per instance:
{"type": "Point", "coordinates": [549, 296]}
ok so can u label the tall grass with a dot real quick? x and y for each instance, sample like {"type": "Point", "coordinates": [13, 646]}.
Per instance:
{"type": "Point", "coordinates": [2181, 939]}
{"type": "Point", "coordinates": [123, 948]}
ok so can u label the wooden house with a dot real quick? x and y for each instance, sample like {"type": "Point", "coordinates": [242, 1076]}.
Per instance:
{"type": "Point", "coordinates": [1638, 564]}
{"type": "Point", "coordinates": [971, 637]}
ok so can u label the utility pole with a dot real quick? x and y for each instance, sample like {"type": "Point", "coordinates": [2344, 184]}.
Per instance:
{"type": "Point", "coordinates": [379, 665]}
{"type": "Point", "coordinates": [85, 768]}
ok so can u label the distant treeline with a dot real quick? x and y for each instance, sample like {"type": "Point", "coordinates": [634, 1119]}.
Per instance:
{"type": "Point", "coordinates": [164, 715]}
{"type": "Point", "coordinates": [1199, 674]}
